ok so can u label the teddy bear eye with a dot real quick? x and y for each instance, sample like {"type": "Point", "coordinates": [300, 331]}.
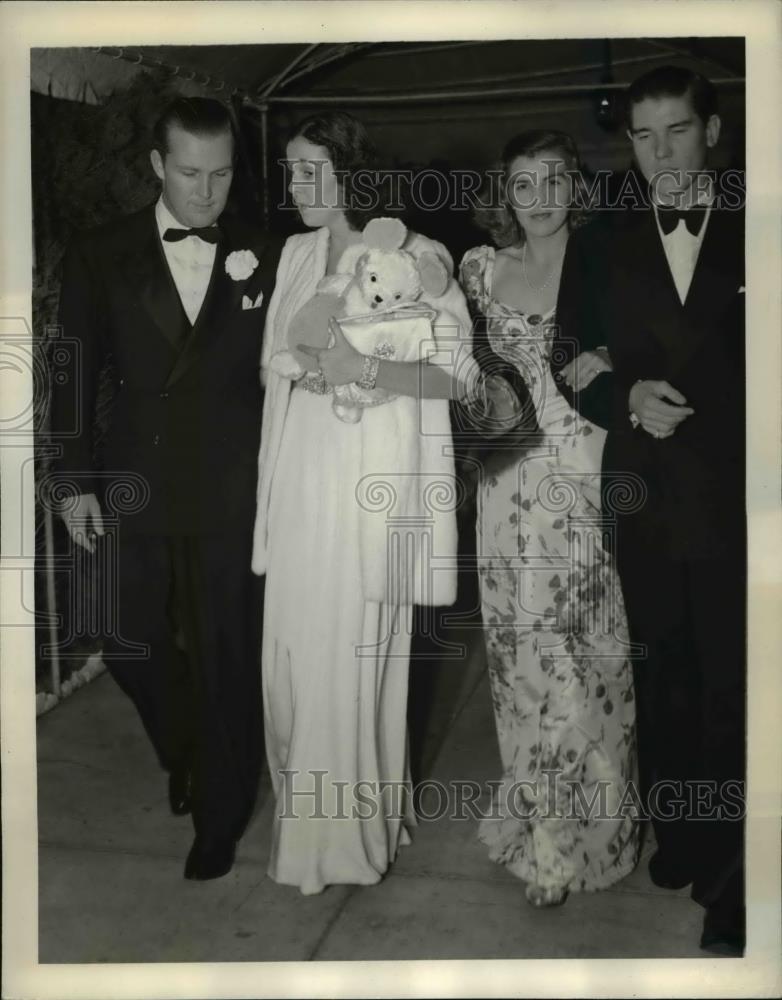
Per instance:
{"type": "Point", "coordinates": [397, 296]}
{"type": "Point", "coordinates": [373, 277]}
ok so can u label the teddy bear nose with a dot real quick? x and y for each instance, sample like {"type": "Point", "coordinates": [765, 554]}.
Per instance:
{"type": "Point", "coordinates": [378, 298]}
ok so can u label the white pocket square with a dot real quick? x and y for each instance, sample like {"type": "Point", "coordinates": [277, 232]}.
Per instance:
{"type": "Point", "coordinates": [741, 290]}
{"type": "Point", "coordinates": [247, 302]}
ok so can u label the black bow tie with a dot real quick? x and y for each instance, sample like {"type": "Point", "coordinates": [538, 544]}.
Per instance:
{"type": "Point", "coordinates": [209, 234]}
{"type": "Point", "coordinates": [669, 218]}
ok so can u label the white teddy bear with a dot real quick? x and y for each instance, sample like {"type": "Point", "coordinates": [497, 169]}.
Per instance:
{"type": "Point", "coordinates": [374, 298]}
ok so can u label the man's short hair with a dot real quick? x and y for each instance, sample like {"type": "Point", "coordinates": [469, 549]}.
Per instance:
{"type": "Point", "coordinates": [673, 81]}
{"type": "Point", "coordinates": [202, 116]}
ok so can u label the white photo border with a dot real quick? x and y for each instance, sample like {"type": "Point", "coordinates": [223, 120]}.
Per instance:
{"type": "Point", "coordinates": [28, 25]}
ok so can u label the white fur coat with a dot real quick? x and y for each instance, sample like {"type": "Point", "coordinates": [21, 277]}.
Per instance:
{"type": "Point", "coordinates": [407, 481]}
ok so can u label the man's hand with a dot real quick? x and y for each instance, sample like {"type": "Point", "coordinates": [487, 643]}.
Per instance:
{"type": "Point", "coordinates": [578, 373]}
{"type": "Point", "coordinates": [648, 401]}
{"type": "Point", "coordinates": [83, 519]}
{"type": "Point", "coordinates": [340, 363]}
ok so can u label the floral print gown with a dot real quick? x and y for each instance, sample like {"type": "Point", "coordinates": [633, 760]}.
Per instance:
{"type": "Point", "coordinates": [556, 634]}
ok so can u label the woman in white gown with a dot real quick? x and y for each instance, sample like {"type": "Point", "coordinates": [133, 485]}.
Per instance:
{"type": "Point", "coordinates": [337, 616]}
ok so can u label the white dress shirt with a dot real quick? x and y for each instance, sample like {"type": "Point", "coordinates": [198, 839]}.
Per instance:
{"type": "Point", "coordinates": [682, 248]}
{"type": "Point", "coordinates": [190, 261]}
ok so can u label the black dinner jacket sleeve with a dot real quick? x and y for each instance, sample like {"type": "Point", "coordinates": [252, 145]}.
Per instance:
{"type": "Point", "coordinates": [582, 318]}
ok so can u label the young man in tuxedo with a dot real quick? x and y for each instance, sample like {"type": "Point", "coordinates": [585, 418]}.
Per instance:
{"type": "Point", "coordinates": [176, 294]}
{"type": "Point", "coordinates": [661, 287]}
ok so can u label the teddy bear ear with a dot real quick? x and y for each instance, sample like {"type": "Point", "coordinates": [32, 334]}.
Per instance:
{"type": "Point", "coordinates": [434, 274]}
{"type": "Point", "coordinates": [384, 234]}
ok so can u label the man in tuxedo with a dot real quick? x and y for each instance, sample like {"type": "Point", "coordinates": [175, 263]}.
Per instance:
{"type": "Point", "coordinates": [661, 285]}
{"type": "Point", "coordinates": [176, 294]}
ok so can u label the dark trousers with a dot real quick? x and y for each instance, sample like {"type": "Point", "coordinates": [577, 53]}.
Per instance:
{"type": "Point", "coordinates": [690, 695]}
{"type": "Point", "coordinates": [194, 603]}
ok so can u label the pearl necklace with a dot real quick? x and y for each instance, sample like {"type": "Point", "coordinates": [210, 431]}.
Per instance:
{"type": "Point", "coordinates": [549, 279]}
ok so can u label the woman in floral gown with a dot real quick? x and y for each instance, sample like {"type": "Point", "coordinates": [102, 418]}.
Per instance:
{"type": "Point", "coordinates": [552, 607]}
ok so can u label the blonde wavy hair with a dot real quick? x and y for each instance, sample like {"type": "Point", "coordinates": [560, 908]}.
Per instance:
{"type": "Point", "coordinates": [494, 214]}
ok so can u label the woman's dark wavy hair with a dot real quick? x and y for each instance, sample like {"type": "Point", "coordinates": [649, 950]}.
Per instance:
{"type": "Point", "coordinates": [350, 151]}
{"type": "Point", "coordinates": [494, 213]}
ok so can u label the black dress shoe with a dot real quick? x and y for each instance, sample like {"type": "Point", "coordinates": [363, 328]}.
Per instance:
{"type": "Point", "coordinates": [724, 932]}
{"type": "Point", "coordinates": [209, 859]}
{"type": "Point", "coordinates": [667, 875]}
{"type": "Point", "coordinates": [179, 792]}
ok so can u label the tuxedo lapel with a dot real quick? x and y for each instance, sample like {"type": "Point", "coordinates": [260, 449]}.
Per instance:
{"type": "Point", "coordinates": [144, 266]}
{"type": "Point", "coordinates": [223, 298]}
{"type": "Point", "coordinates": [659, 301]}
{"type": "Point", "coordinates": [203, 329]}
{"type": "Point", "coordinates": [713, 285]}
{"type": "Point", "coordinates": [716, 278]}
{"type": "Point", "coordinates": [682, 327]}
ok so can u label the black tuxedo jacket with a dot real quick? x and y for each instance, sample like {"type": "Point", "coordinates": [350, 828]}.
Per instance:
{"type": "Point", "coordinates": [185, 427]}
{"type": "Point", "coordinates": [682, 497]}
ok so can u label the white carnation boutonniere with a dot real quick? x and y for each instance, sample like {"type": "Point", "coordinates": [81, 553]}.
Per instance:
{"type": "Point", "coordinates": [240, 264]}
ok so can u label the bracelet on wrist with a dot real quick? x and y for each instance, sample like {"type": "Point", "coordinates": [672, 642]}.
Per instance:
{"type": "Point", "coordinates": [369, 370]}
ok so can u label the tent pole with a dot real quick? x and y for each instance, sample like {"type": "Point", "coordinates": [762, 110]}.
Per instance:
{"type": "Point", "coordinates": [266, 88]}
{"type": "Point", "coordinates": [51, 602]}
{"type": "Point", "coordinates": [668, 48]}
{"type": "Point", "coordinates": [468, 95]}
{"type": "Point", "coordinates": [332, 56]}
{"type": "Point", "coordinates": [264, 109]}
{"type": "Point", "coordinates": [511, 78]}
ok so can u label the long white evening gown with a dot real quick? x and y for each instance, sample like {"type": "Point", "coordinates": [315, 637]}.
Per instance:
{"type": "Point", "coordinates": [335, 662]}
